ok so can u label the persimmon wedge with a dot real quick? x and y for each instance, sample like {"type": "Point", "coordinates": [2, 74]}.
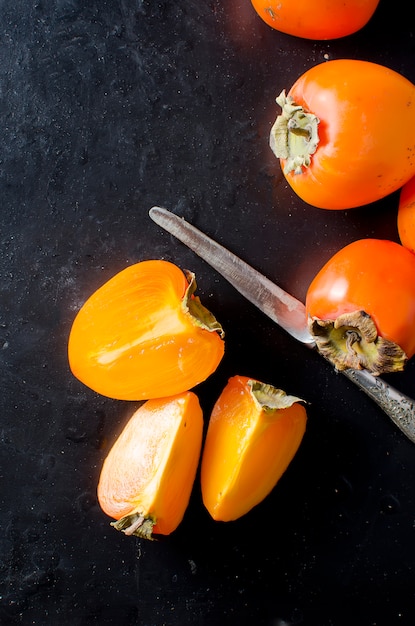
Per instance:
{"type": "Point", "coordinates": [144, 334]}
{"type": "Point", "coordinates": [253, 434]}
{"type": "Point", "coordinates": [147, 478]}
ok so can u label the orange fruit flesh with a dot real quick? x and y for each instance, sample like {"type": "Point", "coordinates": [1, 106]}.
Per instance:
{"type": "Point", "coordinates": [152, 465]}
{"type": "Point", "coordinates": [133, 339]}
{"type": "Point", "coordinates": [247, 450]}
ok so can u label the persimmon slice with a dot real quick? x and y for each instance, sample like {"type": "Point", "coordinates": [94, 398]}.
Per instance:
{"type": "Point", "coordinates": [147, 477]}
{"type": "Point", "coordinates": [253, 434]}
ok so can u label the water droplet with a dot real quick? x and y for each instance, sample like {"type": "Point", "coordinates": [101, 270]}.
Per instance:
{"type": "Point", "coordinates": [389, 504]}
{"type": "Point", "coordinates": [343, 487]}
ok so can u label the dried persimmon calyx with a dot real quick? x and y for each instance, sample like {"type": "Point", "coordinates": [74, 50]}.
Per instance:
{"type": "Point", "coordinates": [351, 341]}
{"type": "Point", "coordinates": [135, 524]}
{"type": "Point", "coordinates": [201, 315]}
{"type": "Point", "coordinates": [269, 398]}
{"type": "Point", "coordinates": [294, 135]}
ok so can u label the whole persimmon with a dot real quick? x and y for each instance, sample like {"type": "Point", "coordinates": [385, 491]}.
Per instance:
{"type": "Point", "coordinates": [320, 19]}
{"type": "Point", "coordinates": [346, 134]}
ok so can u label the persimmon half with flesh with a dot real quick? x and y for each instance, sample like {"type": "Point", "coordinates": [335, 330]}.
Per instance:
{"type": "Point", "coordinates": [253, 434]}
{"type": "Point", "coordinates": [148, 475]}
{"type": "Point", "coordinates": [144, 334]}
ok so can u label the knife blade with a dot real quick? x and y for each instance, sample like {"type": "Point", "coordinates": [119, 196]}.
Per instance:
{"type": "Point", "coordinates": [284, 309]}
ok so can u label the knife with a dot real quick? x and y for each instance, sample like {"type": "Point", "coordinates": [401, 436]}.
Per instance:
{"type": "Point", "coordinates": [284, 309]}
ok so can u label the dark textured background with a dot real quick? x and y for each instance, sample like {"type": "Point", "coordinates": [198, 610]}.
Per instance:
{"type": "Point", "coordinates": [106, 109]}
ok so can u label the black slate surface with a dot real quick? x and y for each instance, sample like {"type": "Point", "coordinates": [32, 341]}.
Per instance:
{"type": "Point", "coordinates": [108, 108]}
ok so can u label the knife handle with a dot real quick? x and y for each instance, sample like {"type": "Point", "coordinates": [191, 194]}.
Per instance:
{"type": "Point", "coordinates": [399, 407]}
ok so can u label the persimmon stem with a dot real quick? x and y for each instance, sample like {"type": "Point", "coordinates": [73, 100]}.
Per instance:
{"type": "Point", "coordinates": [352, 337]}
{"type": "Point", "coordinates": [134, 526]}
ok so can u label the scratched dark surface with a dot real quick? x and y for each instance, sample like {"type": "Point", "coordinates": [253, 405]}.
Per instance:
{"type": "Point", "coordinates": [108, 108]}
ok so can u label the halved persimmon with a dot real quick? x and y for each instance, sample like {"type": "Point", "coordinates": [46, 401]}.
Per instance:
{"type": "Point", "coordinates": [144, 334]}
{"type": "Point", "coordinates": [253, 434]}
{"type": "Point", "coordinates": [147, 478]}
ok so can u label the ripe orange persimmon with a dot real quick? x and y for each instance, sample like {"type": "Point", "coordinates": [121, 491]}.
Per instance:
{"type": "Point", "coordinates": [144, 334]}
{"type": "Point", "coordinates": [253, 434]}
{"type": "Point", "coordinates": [320, 19]}
{"type": "Point", "coordinates": [406, 215]}
{"type": "Point", "coordinates": [147, 478]}
{"type": "Point", "coordinates": [361, 306]}
{"type": "Point", "coordinates": [346, 137]}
